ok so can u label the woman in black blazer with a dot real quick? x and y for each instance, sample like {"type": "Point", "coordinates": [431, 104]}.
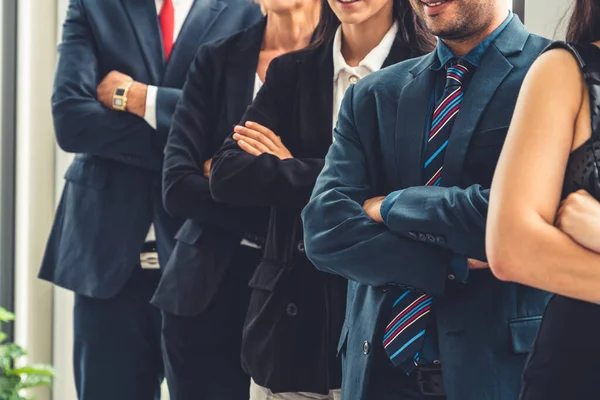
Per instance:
{"type": "Point", "coordinates": [204, 291]}
{"type": "Point", "coordinates": [296, 313]}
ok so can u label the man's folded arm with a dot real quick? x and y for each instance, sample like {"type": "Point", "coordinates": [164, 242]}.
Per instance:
{"type": "Point", "coordinates": [341, 238]}
{"type": "Point", "coordinates": [82, 123]}
{"type": "Point", "coordinates": [450, 217]}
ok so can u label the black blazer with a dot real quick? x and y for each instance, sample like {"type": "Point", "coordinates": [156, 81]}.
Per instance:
{"type": "Point", "coordinates": [296, 313]}
{"type": "Point", "coordinates": [219, 87]}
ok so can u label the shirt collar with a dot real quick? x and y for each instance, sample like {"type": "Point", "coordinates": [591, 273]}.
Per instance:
{"type": "Point", "coordinates": [474, 56]}
{"type": "Point", "coordinates": [373, 61]}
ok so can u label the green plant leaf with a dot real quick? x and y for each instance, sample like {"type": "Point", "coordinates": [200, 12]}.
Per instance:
{"type": "Point", "coordinates": [6, 316]}
{"type": "Point", "coordinates": [40, 370]}
{"type": "Point", "coordinates": [2, 336]}
{"type": "Point", "coordinates": [30, 381]}
{"type": "Point", "coordinates": [12, 351]}
{"type": "Point", "coordinates": [9, 384]}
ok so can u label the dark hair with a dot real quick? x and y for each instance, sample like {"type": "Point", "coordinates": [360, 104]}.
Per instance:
{"type": "Point", "coordinates": [584, 26]}
{"type": "Point", "coordinates": [411, 29]}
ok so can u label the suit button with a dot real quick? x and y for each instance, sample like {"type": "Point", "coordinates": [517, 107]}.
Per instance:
{"type": "Point", "coordinates": [440, 240]}
{"type": "Point", "coordinates": [422, 237]}
{"type": "Point", "coordinates": [291, 310]}
{"type": "Point", "coordinates": [412, 235]}
{"type": "Point", "coordinates": [366, 348]}
{"type": "Point", "coordinates": [431, 238]}
{"type": "Point", "coordinates": [301, 247]}
{"type": "Point", "coordinates": [451, 277]}
{"type": "Point", "coordinates": [385, 289]}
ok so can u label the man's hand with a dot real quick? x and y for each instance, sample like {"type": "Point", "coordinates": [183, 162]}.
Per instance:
{"type": "Point", "coordinates": [207, 165]}
{"type": "Point", "coordinates": [579, 217]}
{"type": "Point", "coordinates": [136, 96]}
{"type": "Point", "coordinates": [256, 139]}
{"type": "Point", "coordinates": [476, 264]}
{"type": "Point", "coordinates": [373, 208]}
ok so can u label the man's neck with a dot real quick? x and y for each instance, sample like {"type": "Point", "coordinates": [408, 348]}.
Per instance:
{"type": "Point", "coordinates": [463, 46]}
{"type": "Point", "coordinates": [291, 31]}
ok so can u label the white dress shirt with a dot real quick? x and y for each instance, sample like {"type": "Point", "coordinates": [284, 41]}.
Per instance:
{"type": "Point", "coordinates": [182, 9]}
{"type": "Point", "coordinates": [345, 75]}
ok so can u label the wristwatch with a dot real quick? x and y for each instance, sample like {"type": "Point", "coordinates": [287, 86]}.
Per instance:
{"type": "Point", "coordinates": [119, 101]}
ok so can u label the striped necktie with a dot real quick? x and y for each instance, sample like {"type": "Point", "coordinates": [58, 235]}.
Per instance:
{"type": "Point", "coordinates": [405, 334]}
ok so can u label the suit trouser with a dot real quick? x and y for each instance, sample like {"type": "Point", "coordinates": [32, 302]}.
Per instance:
{"type": "Point", "coordinates": [202, 353]}
{"type": "Point", "coordinates": [117, 352]}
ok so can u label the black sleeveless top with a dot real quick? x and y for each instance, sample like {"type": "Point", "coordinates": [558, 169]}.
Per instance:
{"type": "Point", "coordinates": [584, 161]}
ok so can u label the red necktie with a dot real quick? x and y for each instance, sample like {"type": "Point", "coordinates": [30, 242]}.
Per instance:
{"type": "Point", "coordinates": [167, 26]}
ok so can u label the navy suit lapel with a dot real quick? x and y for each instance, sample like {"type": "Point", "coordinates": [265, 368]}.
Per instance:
{"type": "Point", "coordinates": [412, 121]}
{"type": "Point", "coordinates": [144, 21]}
{"type": "Point", "coordinates": [493, 70]}
{"type": "Point", "coordinates": [200, 19]}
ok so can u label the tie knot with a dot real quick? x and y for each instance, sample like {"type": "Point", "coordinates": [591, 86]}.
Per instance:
{"type": "Point", "coordinates": [456, 71]}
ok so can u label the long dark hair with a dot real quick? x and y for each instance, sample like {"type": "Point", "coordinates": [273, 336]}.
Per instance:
{"type": "Point", "coordinates": [411, 29]}
{"type": "Point", "coordinates": [584, 26]}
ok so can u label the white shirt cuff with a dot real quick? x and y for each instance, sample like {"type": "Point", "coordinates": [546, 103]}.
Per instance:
{"type": "Point", "coordinates": [150, 114]}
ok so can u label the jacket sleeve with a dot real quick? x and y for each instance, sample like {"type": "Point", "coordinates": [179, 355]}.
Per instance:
{"type": "Point", "coordinates": [243, 179]}
{"type": "Point", "coordinates": [186, 191]}
{"type": "Point", "coordinates": [341, 238]}
{"type": "Point", "coordinates": [81, 122]}
{"type": "Point", "coordinates": [455, 215]}
{"type": "Point", "coordinates": [166, 101]}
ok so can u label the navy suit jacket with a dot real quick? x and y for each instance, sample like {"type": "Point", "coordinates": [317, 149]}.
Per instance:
{"type": "Point", "coordinates": [112, 192]}
{"type": "Point", "coordinates": [219, 88]}
{"type": "Point", "coordinates": [485, 327]}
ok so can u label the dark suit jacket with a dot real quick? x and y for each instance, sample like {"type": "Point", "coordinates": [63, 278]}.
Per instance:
{"type": "Point", "coordinates": [295, 314]}
{"type": "Point", "coordinates": [485, 327]}
{"type": "Point", "coordinates": [112, 193]}
{"type": "Point", "coordinates": [219, 88]}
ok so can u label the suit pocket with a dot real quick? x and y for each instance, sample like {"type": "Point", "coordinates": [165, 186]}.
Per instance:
{"type": "Point", "coordinates": [87, 172]}
{"type": "Point", "coordinates": [523, 332]}
{"type": "Point", "coordinates": [189, 233]}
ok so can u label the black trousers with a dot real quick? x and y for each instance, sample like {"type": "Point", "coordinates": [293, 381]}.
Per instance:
{"type": "Point", "coordinates": [565, 361]}
{"type": "Point", "coordinates": [117, 352]}
{"type": "Point", "coordinates": [202, 353]}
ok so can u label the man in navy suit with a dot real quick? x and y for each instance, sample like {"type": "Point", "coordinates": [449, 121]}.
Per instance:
{"type": "Point", "coordinates": [400, 210]}
{"type": "Point", "coordinates": [119, 77]}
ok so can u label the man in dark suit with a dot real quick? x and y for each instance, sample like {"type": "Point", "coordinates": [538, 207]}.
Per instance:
{"type": "Point", "coordinates": [400, 211]}
{"type": "Point", "coordinates": [121, 69]}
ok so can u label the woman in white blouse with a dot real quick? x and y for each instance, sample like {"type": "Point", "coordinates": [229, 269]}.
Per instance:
{"type": "Point", "coordinates": [273, 159]}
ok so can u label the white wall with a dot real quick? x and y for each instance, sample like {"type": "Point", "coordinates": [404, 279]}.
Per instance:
{"type": "Point", "coordinates": [34, 208]}
{"type": "Point", "coordinates": [545, 17]}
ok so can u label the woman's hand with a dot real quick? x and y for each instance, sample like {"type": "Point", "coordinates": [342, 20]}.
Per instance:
{"type": "Point", "coordinates": [579, 217]}
{"type": "Point", "coordinates": [207, 165]}
{"type": "Point", "coordinates": [256, 139]}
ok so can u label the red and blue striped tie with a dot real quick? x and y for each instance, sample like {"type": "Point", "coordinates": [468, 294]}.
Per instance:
{"type": "Point", "coordinates": [405, 334]}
